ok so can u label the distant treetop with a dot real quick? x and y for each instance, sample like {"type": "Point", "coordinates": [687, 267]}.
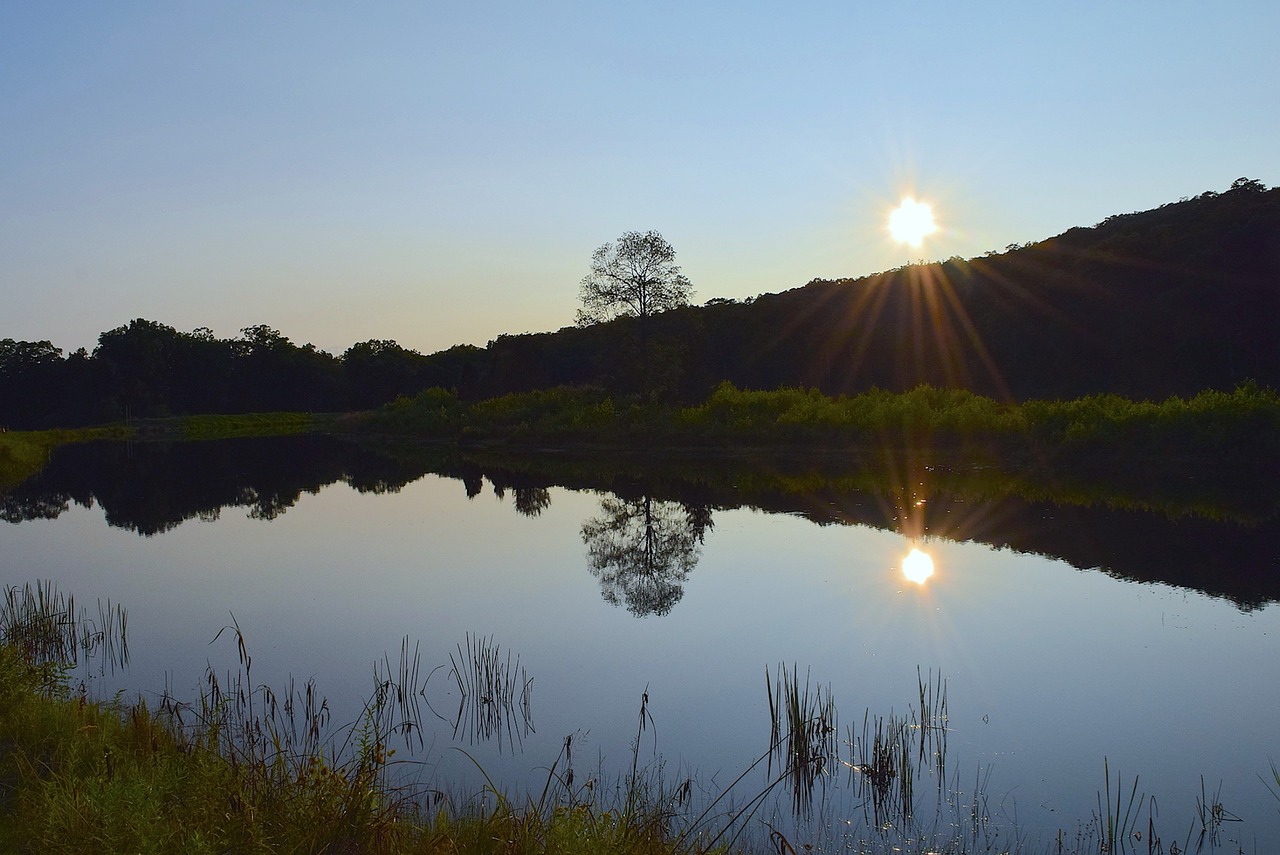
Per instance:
{"type": "Point", "coordinates": [635, 277]}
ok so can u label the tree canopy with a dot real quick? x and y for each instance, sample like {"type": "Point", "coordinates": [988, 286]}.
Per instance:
{"type": "Point", "coordinates": [636, 276]}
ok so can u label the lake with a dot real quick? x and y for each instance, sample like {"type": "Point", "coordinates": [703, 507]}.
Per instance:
{"type": "Point", "coordinates": [1066, 632]}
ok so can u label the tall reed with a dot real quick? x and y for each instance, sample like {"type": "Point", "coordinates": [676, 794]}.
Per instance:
{"type": "Point", "coordinates": [45, 625]}
{"type": "Point", "coordinates": [802, 738]}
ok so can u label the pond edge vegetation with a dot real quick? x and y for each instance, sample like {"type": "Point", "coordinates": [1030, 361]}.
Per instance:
{"type": "Point", "coordinates": [1243, 420]}
{"type": "Point", "coordinates": [247, 768]}
{"type": "Point", "coordinates": [1212, 450]}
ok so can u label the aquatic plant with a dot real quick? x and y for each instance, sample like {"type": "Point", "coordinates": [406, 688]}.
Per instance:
{"type": "Point", "coordinates": [495, 693]}
{"type": "Point", "coordinates": [44, 624]}
{"type": "Point", "coordinates": [802, 735]}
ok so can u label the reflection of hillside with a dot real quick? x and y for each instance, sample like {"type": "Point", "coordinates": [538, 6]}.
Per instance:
{"type": "Point", "coordinates": [1224, 556]}
{"type": "Point", "coordinates": [1229, 560]}
{"type": "Point", "coordinates": [152, 487]}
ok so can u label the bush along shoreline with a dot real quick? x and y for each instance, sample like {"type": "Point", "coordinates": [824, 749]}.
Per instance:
{"type": "Point", "coordinates": [1244, 421]}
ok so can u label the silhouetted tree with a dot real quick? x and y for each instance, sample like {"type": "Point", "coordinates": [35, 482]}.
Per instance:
{"type": "Point", "coordinates": [30, 375]}
{"type": "Point", "coordinates": [635, 277]}
{"type": "Point", "coordinates": [1163, 302]}
{"type": "Point", "coordinates": [276, 374]}
{"type": "Point", "coordinates": [379, 370]}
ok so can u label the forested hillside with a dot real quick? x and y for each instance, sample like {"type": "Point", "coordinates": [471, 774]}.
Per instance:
{"type": "Point", "coordinates": [1170, 301]}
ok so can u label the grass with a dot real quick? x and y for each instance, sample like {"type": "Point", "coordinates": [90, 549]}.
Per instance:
{"type": "Point", "coordinates": [248, 769]}
{"type": "Point", "coordinates": [495, 693]}
{"type": "Point", "coordinates": [803, 725]}
{"type": "Point", "coordinates": [1245, 420]}
{"type": "Point", "coordinates": [44, 624]}
{"type": "Point", "coordinates": [251, 424]}
{"type": "Point", "coordinates": [24, 453]}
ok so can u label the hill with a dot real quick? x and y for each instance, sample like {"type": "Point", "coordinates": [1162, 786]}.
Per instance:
{"type": "Point", "coordinates": [1170, 301]}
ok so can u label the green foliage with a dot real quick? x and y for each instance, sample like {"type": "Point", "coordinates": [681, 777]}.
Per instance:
{"type": "Point", "coordinates": [548, 413]}
{"type": "Point", "coordinates": [1247, 418]}
{"type": "Point", "coordinates": [434, 412]}
{"type": "Point", "coordinates": [922, 415]}
{"type": "Point", "coordinates": [1211, 424]}
{"type": "Point", "coordinates": [556, 412]}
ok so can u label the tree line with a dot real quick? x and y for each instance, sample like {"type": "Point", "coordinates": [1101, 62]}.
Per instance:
{"type": "Point", "coordinates": [1171, 301]}
{"type": "Point", "coordinates": [147, 369]}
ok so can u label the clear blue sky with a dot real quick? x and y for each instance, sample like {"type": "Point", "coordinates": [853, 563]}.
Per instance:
{"type": "Point", "coordinates": [440, 173]}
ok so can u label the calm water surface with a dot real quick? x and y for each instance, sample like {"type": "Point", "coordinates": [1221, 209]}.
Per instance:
{"type": "Point", "coordinates": [1049, 668]}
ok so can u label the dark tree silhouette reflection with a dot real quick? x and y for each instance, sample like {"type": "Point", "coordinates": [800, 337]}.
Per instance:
{"type": "Point", "coordinates": [642, 551]}
{"type": "Point", "coordinates": [531, 501]}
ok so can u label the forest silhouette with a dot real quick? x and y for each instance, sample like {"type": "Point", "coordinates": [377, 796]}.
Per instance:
{"type": "Point", "coordinates": [1164, 302]}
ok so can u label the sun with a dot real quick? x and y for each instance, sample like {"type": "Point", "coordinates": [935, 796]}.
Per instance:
{"type": "Point", "coordinates": [911, 222]}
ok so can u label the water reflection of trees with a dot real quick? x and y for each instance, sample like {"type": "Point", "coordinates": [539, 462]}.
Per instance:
{"type": "Point", "coordinates": [643, 550]}
{"type": "Point", "coordinates": [1192, 533]}
{"type": "Point", "coordinates": [531, 501]}
{"type": "Point", "coordinates": [152, 487]}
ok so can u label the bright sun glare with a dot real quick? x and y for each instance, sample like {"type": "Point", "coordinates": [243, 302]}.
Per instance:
{"type": "Point", "coordinates": [917, 566]}
{"type": "Point", "coordinates": [911, 221]}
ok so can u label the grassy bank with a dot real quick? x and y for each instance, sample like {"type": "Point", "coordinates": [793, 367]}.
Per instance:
{"type": "Point", "coordinates": [251, 424]}
{"type": "Point", "coordinates": [245, 769]}
{"type": "Point", "coordinates": [1246, 419]}
{"type": "Point", "coordinates": [84, 776]}
{"type": "Point", "coordinates": [23, 453]}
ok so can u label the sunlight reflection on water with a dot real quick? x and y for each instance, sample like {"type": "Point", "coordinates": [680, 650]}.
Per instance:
{"type": "Point", "coordinates": [917, 566]}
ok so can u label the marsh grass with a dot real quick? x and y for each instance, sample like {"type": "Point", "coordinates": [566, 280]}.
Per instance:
{"type": "Point", "coordinates": [247, 768]}
{"type": "Point", "coordinates": [803, 734]}
{"type": "Point", "coordinates": [1212, 816]}
{"type": "Point", "coordinates": [495, 693]}
{"type": "Point", "coordinates": [1275, 778]}
{"type": "Point", "coordinates": [1117, 819]}
{"type": "Point", "coordinates": [48, 629]}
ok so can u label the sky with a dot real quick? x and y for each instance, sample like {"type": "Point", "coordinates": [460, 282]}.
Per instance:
{"type": "Point", "coordinates": [440, 174]}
